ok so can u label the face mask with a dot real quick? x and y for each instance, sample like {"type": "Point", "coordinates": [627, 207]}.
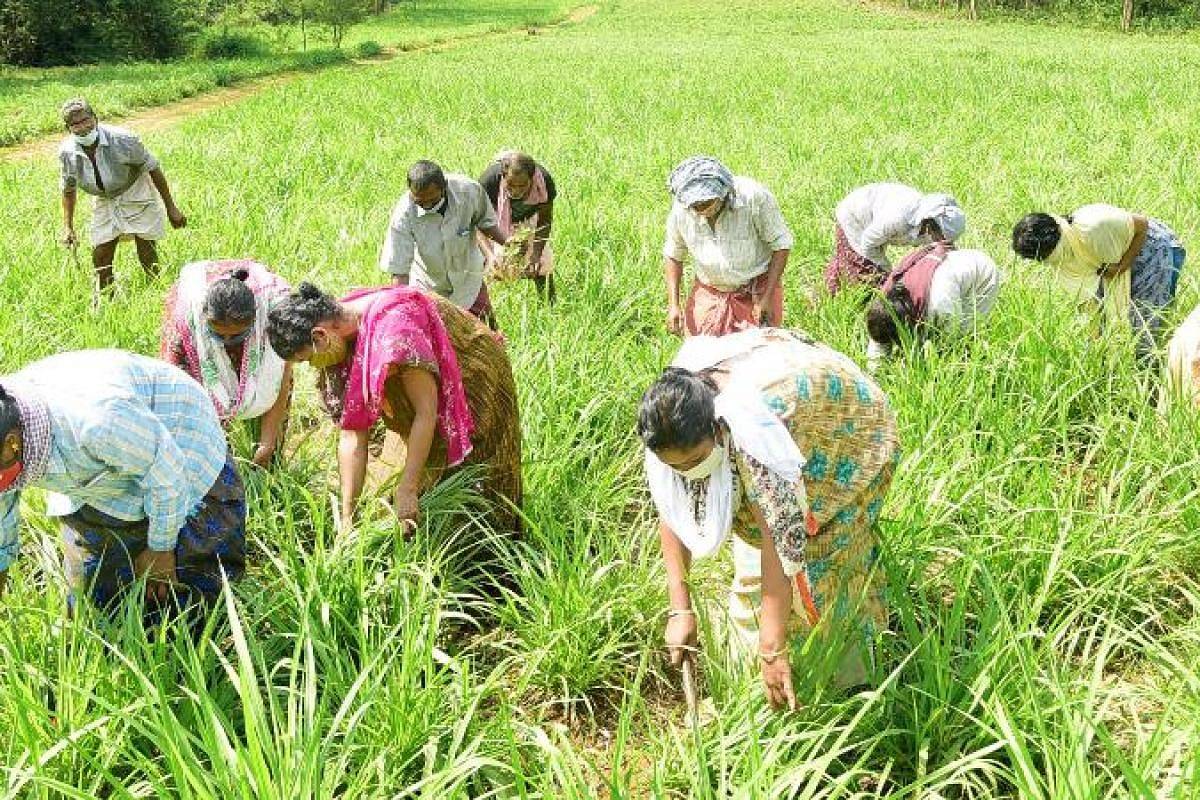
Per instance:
{"type": "Point", "coordinates": [229, 341]}
{"type": "Point", "coordinates": [87, 139]}
{"type": "Point", "coordinates": [334, 355]}
{"type": "Point", "coordinates": [706, 467]}
{"type": "Point", "coordinates": [9, 475]}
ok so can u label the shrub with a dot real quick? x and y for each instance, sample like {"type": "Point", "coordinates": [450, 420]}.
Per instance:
{"type": "Point", "coordinates": [314, 59]}
{"type": "Point", "coordinates": [368, 49]}
{"type": "Point", "coordinates": [231, 45]}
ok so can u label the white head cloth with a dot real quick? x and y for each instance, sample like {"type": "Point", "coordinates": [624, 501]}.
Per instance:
{"type": "Point", "coordinates": [945, 211]}
{"type": "Point", "coordinates": [235, 396]}
{"type": "Point", "coordinates": [755, 430]}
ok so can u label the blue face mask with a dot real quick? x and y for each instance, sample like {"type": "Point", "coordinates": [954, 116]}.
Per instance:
{"type": "Point", "coordinates": [229, 341]}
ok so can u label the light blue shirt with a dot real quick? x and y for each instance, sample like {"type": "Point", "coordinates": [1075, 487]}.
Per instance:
{"type": "Point", "coordinates": [133, 437]}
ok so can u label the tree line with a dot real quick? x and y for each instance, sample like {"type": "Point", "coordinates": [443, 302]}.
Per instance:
{"type": "Point", "coordinates": [53, 32]}
{"type": "Point", "coordinates": [1126, 13]}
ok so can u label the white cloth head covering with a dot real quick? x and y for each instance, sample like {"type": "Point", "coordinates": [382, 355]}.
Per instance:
{"type": "Point", "coordinates": [755, 430]}
{"type": "Point", "coordinates": [236, 394]}
{"type": "Point", "coordinates": [945, 211]}
{"type": "Point", "coordinates": [698, 179]}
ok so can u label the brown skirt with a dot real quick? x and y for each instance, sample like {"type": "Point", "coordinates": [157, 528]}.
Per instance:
{"type": "Point", "coordinates": [491, 396]}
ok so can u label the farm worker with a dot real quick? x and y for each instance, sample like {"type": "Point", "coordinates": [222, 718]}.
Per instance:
{"type": "Point", "coordinates": [733, 230]}
{"type": "Point", "coordinates": [523, 192]}
{"type": "Point", "coordinates": [431, 238]}
{"type": "Point", "coordinates": [1183, 362]}
{"type": "Point", "coordinates": [136, 467]}
{"type": "Point", "coordinates": [1126, 266]}
{"type": "Point", "coordinates": [873, 217]}
{"type": "Point", "coordinates": [435, 376]}
{"type": "Point", "coordinates": [934, 287]}
{"type": "Point", "coordinates": [786, 444]}
{"type": "Point", "coordinates": [114, 166]}
{"type": "Point", "coordinates": [215, 329]}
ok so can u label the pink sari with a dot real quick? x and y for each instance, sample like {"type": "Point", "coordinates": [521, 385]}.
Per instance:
{"type": "Point", "coordinates": [400, 327]}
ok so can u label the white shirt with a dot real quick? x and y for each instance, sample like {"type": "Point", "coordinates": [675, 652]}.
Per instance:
{"type": "Point", "coordinates": [121, 158]}
{"type": "Point", "coordinates": [438, 248]}
{"type": "Point", "coordinates": [963, 289]}
{"type": "Point", "coordinates": [1183, 363]}
{"type": "Point", "coordinates": [877, 215]}
{"type": "Point", "coordinates": [738, 249]}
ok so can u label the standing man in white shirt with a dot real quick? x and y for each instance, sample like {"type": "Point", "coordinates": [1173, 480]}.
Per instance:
{"type": "Point", "coordinates": [113, 165]}
{"type": "Point", "coordinates": [431, 243]}
{"type": "Point", "coordinates": [732, 228]}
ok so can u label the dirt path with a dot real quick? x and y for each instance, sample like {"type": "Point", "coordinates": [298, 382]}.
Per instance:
{"type": "Point", "coordinates": [168, 115]}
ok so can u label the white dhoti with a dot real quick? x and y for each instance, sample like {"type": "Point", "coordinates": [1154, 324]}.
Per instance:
{"type": "Point", "coordinates": [138, 211]}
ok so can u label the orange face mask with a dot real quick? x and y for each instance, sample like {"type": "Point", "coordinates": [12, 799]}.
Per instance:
{"type": "Point", "coordinates": [9, 475]}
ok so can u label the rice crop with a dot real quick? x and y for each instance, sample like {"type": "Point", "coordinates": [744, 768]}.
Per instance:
{"type": "Point", "coordinates": [1041, 555]}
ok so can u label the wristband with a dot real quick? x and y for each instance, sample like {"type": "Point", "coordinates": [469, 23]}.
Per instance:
{"type": "Point", "coordinates": [678, 612]}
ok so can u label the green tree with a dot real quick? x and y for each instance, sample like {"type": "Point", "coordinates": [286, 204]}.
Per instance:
{"type": "Point", "coordinates": [337, 16]}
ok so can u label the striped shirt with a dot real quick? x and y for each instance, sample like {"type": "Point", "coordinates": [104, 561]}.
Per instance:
{"type": "Point", "coordinates": [748, 230]}
{"type": "Point", "coordinates": [130, 436]}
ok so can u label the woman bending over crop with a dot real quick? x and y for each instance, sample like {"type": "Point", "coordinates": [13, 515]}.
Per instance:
{"type": "Point", "coordinates": [436, 377]}
{"type": "Point", "coordinates": [880, 215]}
{"type": "Point", "coordinates": [1124, 265]}
{"type": "Point", "coordinates": [1183, 362]}
{"type": "Point", "coordinates": [935, 286]}
{"type": "Point", "coordinates": [789, 446]}
{"type": "Point", "coordinates": [215, 329]}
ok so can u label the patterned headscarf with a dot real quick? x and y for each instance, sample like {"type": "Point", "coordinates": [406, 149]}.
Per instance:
{"type": "Point", "coordinates": [945, 211]}
{"type": "Point", "coordinates": [35, 432]}
{"type": "Point", "coordinates": [698, 179]}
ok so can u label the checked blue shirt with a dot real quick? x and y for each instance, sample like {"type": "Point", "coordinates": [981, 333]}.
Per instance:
{"type": "Point", "coordinates": [132, 437]}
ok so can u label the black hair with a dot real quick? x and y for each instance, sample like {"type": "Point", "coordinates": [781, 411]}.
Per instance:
{"type": "Point", "coordinates": [677, 410]}
{"type": "Point", "coordinates": [518, 162]}
{"type": "Point", "coordinates": [230, 299]}
{"type": "Point", "coordinates": [933, 228]}
{"type": "Point", "coordinates": [1035, 236]}
{"type": "Point", "coordinates": [291, 322]}
{"type": "Point", "coordinates": [424, 174]}
{"type": "Point", "coordinates": [887, 314]}
{"type": "Point", "coordinates": [10, 413]}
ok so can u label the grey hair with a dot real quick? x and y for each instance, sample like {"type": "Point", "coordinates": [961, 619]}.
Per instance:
{"type": "Point", "coordinates": [76, 104]}
{"type": "Point", "coordinates": [515, 161]}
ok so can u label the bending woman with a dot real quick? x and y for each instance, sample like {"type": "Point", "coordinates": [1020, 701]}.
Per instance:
{"type": "Point", "coordinates": [935, 286]}
{"type": "Point", "coordinates": [880, 215]}
{"type": "Point", "coordinates": [1124, 265]}
{"type": "Point", "coordinates": [215, 329]}
{"type": "Point", "coordinates": [787, 445]}
{"type": "Point", "coordinates": [434, 375]}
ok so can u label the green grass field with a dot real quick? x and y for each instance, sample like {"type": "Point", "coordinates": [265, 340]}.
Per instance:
{"type": "Point", "coordinates": [30, 98]}
{"type": "Point", "coordinates": [1040, 535]}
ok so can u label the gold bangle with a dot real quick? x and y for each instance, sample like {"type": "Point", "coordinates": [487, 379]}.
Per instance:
{"type": "Point", "coordinates": [677, 612]}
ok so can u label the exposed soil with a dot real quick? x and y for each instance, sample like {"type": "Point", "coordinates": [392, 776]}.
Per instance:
{"type": "Point", "coordinates": [169, 115]}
